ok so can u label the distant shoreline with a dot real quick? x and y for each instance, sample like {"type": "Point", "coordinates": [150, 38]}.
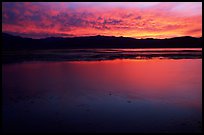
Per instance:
{"type": "Point", "coordinates": [19, 56]}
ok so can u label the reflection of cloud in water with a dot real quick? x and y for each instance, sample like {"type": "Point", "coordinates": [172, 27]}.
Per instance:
{"type": "Point", "coordinates": [80, 95]}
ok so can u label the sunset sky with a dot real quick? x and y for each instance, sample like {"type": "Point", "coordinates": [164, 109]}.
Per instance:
{"type": "Point", "coordinates": [128, 19]}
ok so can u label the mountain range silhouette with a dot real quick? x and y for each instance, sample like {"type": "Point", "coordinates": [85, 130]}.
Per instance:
{"type": "Point", "coordinates": [11, 42]}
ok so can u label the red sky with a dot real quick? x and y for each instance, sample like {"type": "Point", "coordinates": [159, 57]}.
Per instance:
{"type": "Point", "coordinates": [128, 19]}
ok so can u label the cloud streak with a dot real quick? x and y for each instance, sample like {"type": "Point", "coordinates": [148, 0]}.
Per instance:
{"type": "Point", "coordinates": [131, 19]}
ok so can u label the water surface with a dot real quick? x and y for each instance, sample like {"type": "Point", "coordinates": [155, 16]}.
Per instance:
{"type": "Point", "coordinates": [121, 95]}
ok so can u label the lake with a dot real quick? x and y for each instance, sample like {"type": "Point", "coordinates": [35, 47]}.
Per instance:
{"type": "Point", "coordinates": [157, 90]}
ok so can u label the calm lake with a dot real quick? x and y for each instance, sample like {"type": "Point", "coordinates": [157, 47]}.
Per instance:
{"type": "Point", "coordinates": [156, 94]}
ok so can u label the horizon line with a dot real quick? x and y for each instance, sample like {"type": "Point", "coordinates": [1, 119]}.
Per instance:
{"type": "Point", "coordinates": [91, 36]}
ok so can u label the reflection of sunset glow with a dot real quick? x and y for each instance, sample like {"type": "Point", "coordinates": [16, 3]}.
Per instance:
{"type": "Point", "coordinates": [139, 20]}
{"type": "Point", "coordinates": [173, 82]}
{"type": "Point", "coordinates": [155, 79]}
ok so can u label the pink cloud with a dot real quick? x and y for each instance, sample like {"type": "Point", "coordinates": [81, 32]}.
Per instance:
{"type": "Point", "coordinates": [144, 20]}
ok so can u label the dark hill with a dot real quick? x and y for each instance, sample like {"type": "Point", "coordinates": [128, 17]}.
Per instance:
{"type": "Point", "coordinates": [15, 42]}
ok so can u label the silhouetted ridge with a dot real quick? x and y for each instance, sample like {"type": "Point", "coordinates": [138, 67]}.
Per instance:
{"type": "Point", "coordinates": [16, 42]}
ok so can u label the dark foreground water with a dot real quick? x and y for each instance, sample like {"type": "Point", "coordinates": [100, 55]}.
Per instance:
{"type": "Point", "coordinates": [121, 95]}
